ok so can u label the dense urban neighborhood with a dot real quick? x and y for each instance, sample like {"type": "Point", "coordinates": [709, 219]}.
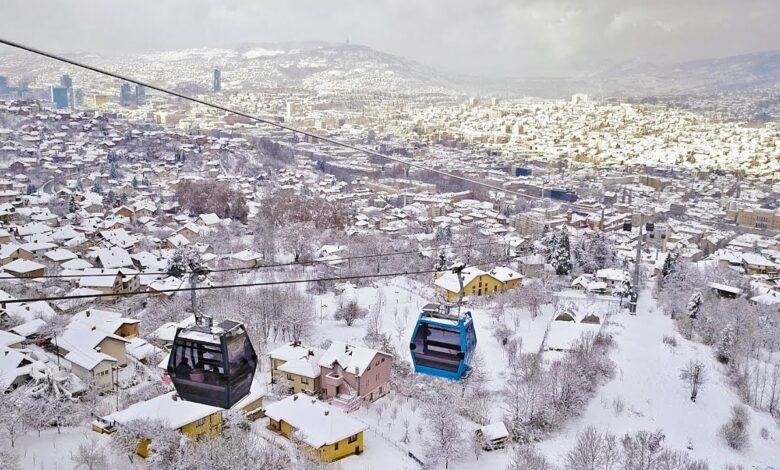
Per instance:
{"type": "Point", "coordinates": [612, 268]}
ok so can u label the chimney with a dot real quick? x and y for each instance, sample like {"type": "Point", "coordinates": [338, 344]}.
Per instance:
{"type": "Point", "coordinates": [88, 313]}
{"type": "Point", "coordinates": [327, 412]}
{"type": "Point", "coordinates": [295, 397]}
{"type": "Point", "coordinates": [175, 397]}
{"type": "Point", "coordinates": [93, 328]}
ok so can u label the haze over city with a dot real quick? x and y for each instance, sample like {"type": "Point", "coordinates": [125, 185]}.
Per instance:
{"type": "Point", "coordinates": [493, 37]}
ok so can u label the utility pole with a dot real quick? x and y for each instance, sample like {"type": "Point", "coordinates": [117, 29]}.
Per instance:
{"type": "Point", "coordinates": [637, 261]}
{"type": "Point", "coordinates": [197, 271]}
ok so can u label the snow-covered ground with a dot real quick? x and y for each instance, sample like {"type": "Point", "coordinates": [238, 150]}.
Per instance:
{"type": "Point", "coordinates": [647, 381]}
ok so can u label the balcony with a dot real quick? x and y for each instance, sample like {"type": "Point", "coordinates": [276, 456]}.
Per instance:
{"type": "Point", "coordinates": [346, 403]}
{"type": "Point", "coordinates": [333, 379]}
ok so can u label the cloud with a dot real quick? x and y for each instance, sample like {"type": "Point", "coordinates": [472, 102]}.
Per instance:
{"type": "Point", "coordinates": [486, 37]}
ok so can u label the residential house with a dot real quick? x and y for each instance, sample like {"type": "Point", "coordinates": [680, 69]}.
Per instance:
{"type": "Point", "coordinates": [475, 282]}
{"type": "Point", "coordinates": [325, 432]}
{"type": "Point", "coordinates": [13, 252]}
{"type": "Point", "coordinates": [190, 418]}
{"type": "Point", "coordinates": [94, 368]}
{"type": "Point", "coordinates": [299, 365]}
{"type": "Point", "coordinates": [25, 268]}
{"type": "Point", "coordinates": [14, 368]}
{"type": "Point", "coordinates": [753, 263]}
{"type": "Point", "coordinates": [351, 375]}
{"type": "Point", "coordinates": [80, 336]}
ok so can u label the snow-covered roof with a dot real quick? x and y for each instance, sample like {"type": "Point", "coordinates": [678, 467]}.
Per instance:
{"type": "Point", "coordinates": [494, 431]}
{"type": "Point", "coordinates": [114, 257]}
{"type": "Point", "coordinates": [87, 358]}
{"type": "Point", "coordinates": [353, 359]}
{"type": "Point", "coordinates": [209, 219]}
{"type": "Point", "coordinates": [449, 280]}
{"type": "Point", "coordinates": [9, 339]}
{"type": "Point", "coordinates": [612, 274]}
{"type": "Point", "coordinates": [29, 328]}
{"type": "Point", "coordinates": [306, 367]}
{"type": "Point", "coordinates": [316, 423]}
{"type": "Point", "coordinates": [23, 266]}
{"type": "Point", "coordinates": [168, 408]}
{"type": "Point", "coordinates": [505, 274]}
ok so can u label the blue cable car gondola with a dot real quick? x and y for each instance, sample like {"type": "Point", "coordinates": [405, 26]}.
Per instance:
{"type": "Point", "coordinates": [443, 344]}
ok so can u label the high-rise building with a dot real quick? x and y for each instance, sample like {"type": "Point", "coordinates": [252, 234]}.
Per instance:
{"type": "Point", "coordinates": [140, 95]}
{"type": "Point", "coordinates": [67, 83]}
{"type": "Point", "coordinates": [217, 80]}
{"type": "Point", "coordinates": [125, 96]}
{"type": "Point", "coordinates": [59, 96]}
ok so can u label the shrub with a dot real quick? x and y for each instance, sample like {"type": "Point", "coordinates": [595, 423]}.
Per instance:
{"type": "Point", "coordinates": [735, 430]}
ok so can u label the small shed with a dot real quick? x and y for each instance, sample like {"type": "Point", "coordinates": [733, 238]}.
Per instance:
{"type": "Point", "coordinates": [493, 436]}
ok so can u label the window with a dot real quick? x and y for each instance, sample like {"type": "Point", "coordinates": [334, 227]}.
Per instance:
{"type": "Point", "coordinates": [336, 446]}
{"type": "Point", "coordinates": [304, 380]}
{"type": "Point", "coordinates": [383, 359]}
{"type": "Point", "coordinates": [352, 438]}
{"type": "Point", "coordinates": [200, 422]}
{"type": "Point", "coordinates": [289, 377]}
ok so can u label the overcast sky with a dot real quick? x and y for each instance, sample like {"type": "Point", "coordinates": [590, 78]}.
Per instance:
{"type": "Point", "coordinates": [476, 37]}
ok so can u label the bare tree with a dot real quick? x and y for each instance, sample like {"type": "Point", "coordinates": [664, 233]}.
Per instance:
{"type": "Point", "coordinates": [91, 455]}
{"type": "Point", "coordinates": [445, 438]}
{"type": "Point", "coordinates": [694, 375]}
{"type": "Point", "coordinates": [528, 458]}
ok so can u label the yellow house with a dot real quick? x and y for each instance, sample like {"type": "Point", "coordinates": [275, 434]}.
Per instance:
{"type": "Point", "coordinates": [298, 365]}
{"type": "Point", "coordinates": [324, 432]}
{"type": "Point", "coordinates": [476, 282]}
{"type": "Point", "coordinates": [191, 419]}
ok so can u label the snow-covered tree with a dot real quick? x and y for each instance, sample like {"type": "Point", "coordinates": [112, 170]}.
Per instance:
{"type": "Point", "coordinates": [593, 451]}
{"type": "Point", "coordinates": [735, 430]}
{"type": "Point", "coordinates": [90, 455]}
{"type": "Point", "coordinates": [445, 439]}
{"type": "Point", "coordinates": [10, 459]}
{"type": "Point", "coordinates": [526, 457]}
{"type": "Point", "coordinates": [694, 305]}
{"type": "Point", "coordinates": [73, 206]}
{"type": "Point", "coordinates": [17, 406]}
{"type": "Point", "coordinates": [560, 254]}
{"type": "Point", "coordinates": [350, 313]}
{"type": "Point", "coordinates": [725, 347]}
{"type": "Point", "coordinates": [183, 260]}
{"type": "Point", "coordinates": [670, 264]}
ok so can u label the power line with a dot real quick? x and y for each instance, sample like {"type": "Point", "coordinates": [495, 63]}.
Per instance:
{"type": "Point", "coordinates": [128, 272]}
{"type": "Point", "coordinates": [259, 119]}
{"type": "Point", "coordinates": [232, 286]}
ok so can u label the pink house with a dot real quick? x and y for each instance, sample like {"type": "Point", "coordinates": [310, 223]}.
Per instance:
{"type": "Point", "coordinates": [351, 375]}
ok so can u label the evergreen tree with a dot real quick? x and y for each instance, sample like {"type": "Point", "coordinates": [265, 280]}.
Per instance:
{"type": "Point", "coordinates": [72, 204]}
{"type": "Point", "coordinates": [670, 264]}
{"type": "Point", "coordinates": [135, 182]}
{"type": "Point", "coordinates": [694, 305]}
{"type": "Point", "coordinates": [97, 188]}
{"type": "Point", "coordinates": [725, 347]}
{"type": "Point", "coordinates": [113, 171]}
{"type": "Point", "coordinates": [561, 255]}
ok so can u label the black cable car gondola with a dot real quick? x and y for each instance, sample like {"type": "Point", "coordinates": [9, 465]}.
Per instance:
{"type": "Point", "coordinates": [212, 365]}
